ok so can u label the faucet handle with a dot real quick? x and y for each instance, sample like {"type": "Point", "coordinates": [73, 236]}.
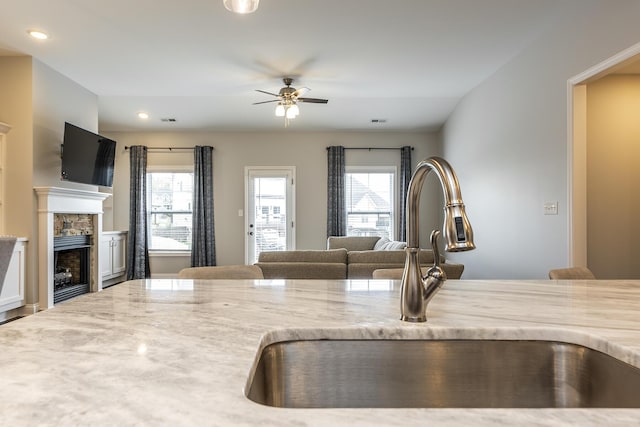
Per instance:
{"type": "Point", "coordinates": [435, 274]}
{"type": "Point", "coordinates": [434, 246]}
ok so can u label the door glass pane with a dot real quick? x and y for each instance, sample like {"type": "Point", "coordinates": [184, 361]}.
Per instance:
{"type": "Point", "coordinates": [270, 226]}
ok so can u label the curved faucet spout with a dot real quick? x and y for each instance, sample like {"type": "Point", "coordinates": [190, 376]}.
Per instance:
{"type": "Point", "coordinates": [416, 290]}
{"type": "Point", "coordinates": [457, 230]}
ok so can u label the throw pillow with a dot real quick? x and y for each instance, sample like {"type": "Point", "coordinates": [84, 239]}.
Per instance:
{"type": "Point", "coordinates": [380, 244]}
{"type": "Point", "coordinates": [395, 245]}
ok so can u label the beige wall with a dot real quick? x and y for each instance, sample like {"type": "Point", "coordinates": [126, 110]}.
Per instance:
{"type": "Point", "coordinates": [613, 176]}
{"type": "Point", "coordinates": [16, 109]}
{"type": "Point", "coordinates": [234, 151]}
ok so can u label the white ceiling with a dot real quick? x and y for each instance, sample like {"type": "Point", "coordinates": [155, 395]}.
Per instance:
{"type": "Point", "coordinates": [405, 61]}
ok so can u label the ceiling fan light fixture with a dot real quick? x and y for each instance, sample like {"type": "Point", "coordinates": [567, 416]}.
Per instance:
{"type": "Point", "coordinates": [293, 111]}
{"type": "Point", "coordinates": [287, 100]}
{"type": "Point", "coordinates": [241, 6]}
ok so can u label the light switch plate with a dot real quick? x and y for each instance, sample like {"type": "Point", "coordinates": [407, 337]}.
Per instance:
{"type": "Point", "coordinates": [551, 208]}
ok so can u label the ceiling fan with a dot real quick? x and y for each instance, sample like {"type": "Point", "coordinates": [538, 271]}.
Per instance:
{"type": "Point", "coordinates": [288, 99]}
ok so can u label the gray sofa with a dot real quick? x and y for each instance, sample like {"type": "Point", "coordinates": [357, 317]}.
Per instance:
{"type": "Point", "coordinates": [351, 257]}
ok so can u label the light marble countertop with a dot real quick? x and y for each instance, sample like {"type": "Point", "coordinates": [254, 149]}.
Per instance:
{"type": "Point", "coordinates": [179, 352]}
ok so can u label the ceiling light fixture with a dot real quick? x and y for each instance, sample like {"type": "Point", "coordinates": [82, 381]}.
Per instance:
{"type": "Point", "coordinates": [288, 109]}
{"type": "Point", "coordinates": [288, 99]}
{"type": "Point", "coordinates": [293, 111]}
{"type": "Point", "coordinates": [241, 6]}
{"type": "Point", "coordinates": [143, 115]}
{"type": "Point", "coordinates": [38, 34]}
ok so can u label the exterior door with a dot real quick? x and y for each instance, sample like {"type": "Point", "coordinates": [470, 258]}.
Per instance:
{"type": "Point", "coordinates": [269, 207]}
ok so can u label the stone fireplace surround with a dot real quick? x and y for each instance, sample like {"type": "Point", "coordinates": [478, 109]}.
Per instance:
{"type": "Point", "coordinates": [55, 200]}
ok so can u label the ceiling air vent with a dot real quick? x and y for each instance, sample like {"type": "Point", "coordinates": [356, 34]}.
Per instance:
{"type": "Point", "coordinates": [168, 120]}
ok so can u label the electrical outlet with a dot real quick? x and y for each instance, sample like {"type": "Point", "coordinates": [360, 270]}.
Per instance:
{"type": "Point", "coordinates": [551, 208]}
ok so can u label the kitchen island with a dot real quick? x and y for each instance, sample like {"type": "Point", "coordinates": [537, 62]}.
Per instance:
{"type": "Point", "coordinates": [179, 352]}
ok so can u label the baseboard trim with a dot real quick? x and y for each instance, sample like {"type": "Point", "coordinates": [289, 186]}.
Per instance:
{"type": "Point", "coordinates": [29, 309]}
{"type": "Point", "coordinates": [16, 313]}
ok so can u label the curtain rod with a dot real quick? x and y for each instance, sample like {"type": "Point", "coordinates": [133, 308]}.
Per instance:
{"type": "Point", "coordinates": [164, 148]}
{"type": "Point", "coordinates": [373, 148]}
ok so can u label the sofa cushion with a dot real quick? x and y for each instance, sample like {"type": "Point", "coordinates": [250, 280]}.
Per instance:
{"type": "Point", "coordinates": [372, 257]}
{"type": "Point", "coordinates": [388, 257]}
{"type": "Point", "coordinates": [352, 243]}
{"type": "Point", "coordinates": [303, 270]}
{"type": "Point", "coordinates": [317, 256]}
{"type": "Point", "coordinates": [365, 270]}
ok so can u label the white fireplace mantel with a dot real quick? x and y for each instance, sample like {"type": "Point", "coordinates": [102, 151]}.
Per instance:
{"type": "Point", "coordinates": [52, 200]}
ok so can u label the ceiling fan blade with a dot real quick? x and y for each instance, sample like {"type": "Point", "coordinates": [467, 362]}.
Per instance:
{"type": "Point", "coordinates": [300, 92]}
{"type": "Point", "coordinates": [313, 100]}
{"type": "Point", "coordinates": [265, 102]}
{"type": "Point", "coordinates": [268, 93]}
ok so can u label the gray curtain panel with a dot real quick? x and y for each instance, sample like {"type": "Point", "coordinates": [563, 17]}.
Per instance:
{"type": "Point", "coordinates": [203, 241]}
{"type": "Point", "coordinates": [336, 209]}
{"type": "Point", "coordinates": [138, 239]}
{"type": "Point", "coordinates": [405, 178]}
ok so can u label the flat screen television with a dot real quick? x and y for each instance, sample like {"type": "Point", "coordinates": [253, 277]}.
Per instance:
{"type": "Point", "coordinates": [87, 157]}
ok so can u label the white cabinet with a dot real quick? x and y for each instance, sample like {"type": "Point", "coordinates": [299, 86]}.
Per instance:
{"type": "Point", "coordinates": [12, 295]}
{"type": "Point", "coordinates": [113, 256]}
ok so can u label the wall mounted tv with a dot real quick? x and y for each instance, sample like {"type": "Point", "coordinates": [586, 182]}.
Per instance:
{"type": "Point", "coordinates": [87, 157]}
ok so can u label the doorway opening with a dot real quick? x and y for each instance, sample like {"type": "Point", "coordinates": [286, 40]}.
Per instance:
{"type": "Point", "coordinates": [625, 62]}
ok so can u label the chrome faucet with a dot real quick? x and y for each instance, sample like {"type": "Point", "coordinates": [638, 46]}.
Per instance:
{"type": "Point", "coordinates": [416, 291]}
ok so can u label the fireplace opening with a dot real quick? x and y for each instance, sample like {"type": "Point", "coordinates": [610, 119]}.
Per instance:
{"type": "Point", "coordinates": [72, 267]}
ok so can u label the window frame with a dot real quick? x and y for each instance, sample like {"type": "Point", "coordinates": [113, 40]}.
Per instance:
{"type": "Point", "coordinates": [165, 169]}
{"type": "Point", "coordinates": [370, 169]}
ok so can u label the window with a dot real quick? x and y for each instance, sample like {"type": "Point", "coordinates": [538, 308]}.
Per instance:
{"type": "Point", "coordinates": [170, 196]}
{"type": "Point", "coordinates": [370, 201]}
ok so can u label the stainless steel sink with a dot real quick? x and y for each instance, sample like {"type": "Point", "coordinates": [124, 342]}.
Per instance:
{"type": "Point", "coordinates": [441, 374]}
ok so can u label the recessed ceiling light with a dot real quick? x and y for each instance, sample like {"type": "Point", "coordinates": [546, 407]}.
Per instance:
{"type": "Point", "coordinates": [36, 34]}
{"type": "Point", "coordinates": [143, 115]}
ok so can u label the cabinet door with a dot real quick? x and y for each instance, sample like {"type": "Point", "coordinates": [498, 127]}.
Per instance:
{"type": "Point", "coordinates": [119, 255]}
{"type": "Point", "coordinates": [12, 294]}
{"type": "Point", "coordinates": [105, 256]}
